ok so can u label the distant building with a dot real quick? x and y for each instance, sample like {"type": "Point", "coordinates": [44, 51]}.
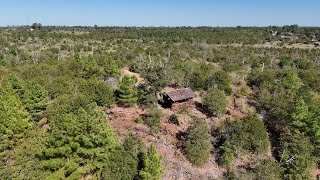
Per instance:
{"type": "Point", "coordinates": [175, 99]}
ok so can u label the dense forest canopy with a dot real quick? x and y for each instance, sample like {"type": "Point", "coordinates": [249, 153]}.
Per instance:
{"type": "Point", "coordinates": [256, 114]}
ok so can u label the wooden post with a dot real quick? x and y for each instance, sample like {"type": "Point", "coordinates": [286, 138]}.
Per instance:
{"type": "Point", "coordinates": [235, 101]}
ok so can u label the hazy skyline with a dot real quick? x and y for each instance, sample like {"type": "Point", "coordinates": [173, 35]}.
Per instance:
{"type": "Point", "coordinates": [160, 13]}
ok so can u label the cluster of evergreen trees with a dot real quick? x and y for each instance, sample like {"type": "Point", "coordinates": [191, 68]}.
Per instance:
{"type": "Point", "coordinates": [52, 124]}
{"type": "Point", "coordinates": [58, 119]}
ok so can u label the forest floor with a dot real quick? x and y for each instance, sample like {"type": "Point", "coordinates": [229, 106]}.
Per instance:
{"type": "Point", "coordinates": [169, 139]}
{"type": "Point", "coordinates": [167, 142]}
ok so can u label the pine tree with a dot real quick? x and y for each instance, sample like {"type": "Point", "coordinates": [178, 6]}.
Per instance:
{"type": "Point", "coordinates": [152, 168]}
{"type": "Point", "coordinates": [85, 68]}
{"type": "Point", "coordinates": [296, 155]}
{"type": "Point", "coordinates": [146, 95]}
{"type": "Point", "coordinates": [111, 68]}
{"type": "Point", "coordinates": [122, 165]}
{"type": "Point", "coordinates": [14, 119]}
{"type": "Point", "coordinates": [18, 85]}
{"type": "Point", "coordinates": [124, 162]}
{"type": "Point", "coordinates": [197, 145]}
{"type": "Point", "coordinates": [100, 92]}
{"type": "Point", "coordinates": [84, 138]}
{"type": "Point", "coordinates": [291, 82]}
{"type": "Point", "coordinates": [300, 115]}
{"type": "Point", "coordinates": [25, 154]}
{"type": "Point", "coordinates": [127, 94]}
{"type": "Point", "coordinates": [305, 120]}
{"type": "Point", "coordinates": [36, 99]}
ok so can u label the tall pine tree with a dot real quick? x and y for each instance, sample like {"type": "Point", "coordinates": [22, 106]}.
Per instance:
{"type": "Point", "coordinates": [79, 143]}
{"type": "Point", "coordinates": [152, 169]}
{"type": "Point", "coordinates": [36, 99]}
{"type": "Point", "coordinates": [127, 94]}
{"type": "Point", "coordinates": [111, 68]}
{"type": "Point", "coordinates": [14, 119]}
{"type": "Point", "coordinates": [300, 115]}
{"type": "Point", "coordinates": [18, 85]}
{"type": "Point", "coordinates": [296, 155]}
{"type": "Point", "coordinates": [291, 83]}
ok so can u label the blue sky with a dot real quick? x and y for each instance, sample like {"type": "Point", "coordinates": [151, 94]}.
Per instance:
{"type": "Point", "coordinates": [161, 12]}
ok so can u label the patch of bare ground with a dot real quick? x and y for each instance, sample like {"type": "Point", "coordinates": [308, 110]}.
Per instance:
{"type": "Point", "coordinates": [169, 139]}
{"type": "Point", "coordinates": [245, 160]}
{"type": "Point", "coordinates": [167, 142]}
{"type": "Point", "coordinates": [315, 173]}
{"type": "Point", "coordinates": [126, 71]}
{"type": "Point", "coordinates": [122, 120]}
{"type": "Point", "coordinates": [177, 166]}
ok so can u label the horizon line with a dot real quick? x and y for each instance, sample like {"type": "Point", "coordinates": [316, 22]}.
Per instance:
{"type": "Point", "coordinates": [160, 26]}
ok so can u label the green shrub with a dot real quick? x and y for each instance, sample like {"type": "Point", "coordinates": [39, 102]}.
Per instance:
{"type": "Point", "coordinates": [296, 153]}
{"type": "Point", "coordinates": [220, 79]}
{"type": "Point", "coordinates": [174, 119]}
{"type": "Point", "coordinates": [153, 118]}
{"type": "Point", "coordinates": [227, 154]}
{"type": "Point", "coordinates": [248, 135]}
{"type": "Point", "coordinates": [139, 120]}
{"type": "Point", "coordinates": [267, 169]}
{"type": "Point", "coordinates": [197, 146]}
{"type": "Point", "coordinates": [250, 139]}
{"type": "Point", "coordinates": [215, 101]}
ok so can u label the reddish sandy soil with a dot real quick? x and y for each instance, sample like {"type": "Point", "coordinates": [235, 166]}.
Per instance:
{"type": "Point", "coordinates": [176, 166]}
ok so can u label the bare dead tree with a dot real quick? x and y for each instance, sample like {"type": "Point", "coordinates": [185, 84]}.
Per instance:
{"type": "Point", "coordinates": [59, 53]}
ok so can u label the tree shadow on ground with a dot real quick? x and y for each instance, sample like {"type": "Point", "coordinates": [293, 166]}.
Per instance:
{"type": "Point", "coordinates": [203, 109]}
{"type": "Point", "coordinates": [180, 136]}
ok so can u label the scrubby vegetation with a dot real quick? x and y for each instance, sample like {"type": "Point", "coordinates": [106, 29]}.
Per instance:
{"type": "Point", "coordinates": [197, 146]}
{"type": "Point", "coordinates": [215, 102]}
{"type": "Point", "coordinates": [260, 94]}
{"type": "Point", "coordinates": [247, 135]}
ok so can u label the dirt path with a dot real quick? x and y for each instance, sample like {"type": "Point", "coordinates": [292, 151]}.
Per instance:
{"type": "Point", "coordinates": [126, 71]}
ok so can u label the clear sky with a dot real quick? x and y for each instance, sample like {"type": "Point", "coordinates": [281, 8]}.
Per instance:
{"type": "Point", "coordinates": [161, 12]}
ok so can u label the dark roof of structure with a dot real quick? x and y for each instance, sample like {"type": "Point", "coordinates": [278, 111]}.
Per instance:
{"type": "Point", "coordinates": [181, 94]}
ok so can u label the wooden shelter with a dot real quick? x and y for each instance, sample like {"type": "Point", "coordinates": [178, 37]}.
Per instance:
{"type": "Point", "coordinates": [176, 98]}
